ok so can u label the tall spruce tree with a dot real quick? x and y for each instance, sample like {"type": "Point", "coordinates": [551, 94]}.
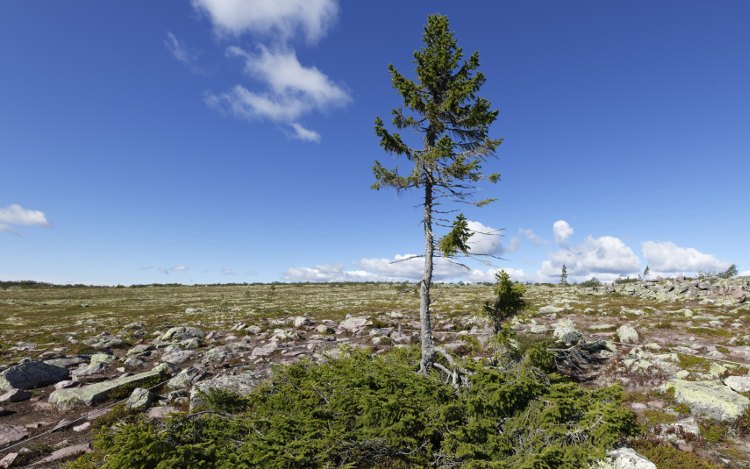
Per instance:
{"type": "Point", "coordinates": [442, 108]}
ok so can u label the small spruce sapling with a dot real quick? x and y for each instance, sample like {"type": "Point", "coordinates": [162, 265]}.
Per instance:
{"type": "Point", "coordinates": [508, 300]}
{"type": "Point", "coordinates": [564, 276]}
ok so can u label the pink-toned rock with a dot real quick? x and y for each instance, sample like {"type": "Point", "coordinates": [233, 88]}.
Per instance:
{"type": "Point", "coordinates": [158, 413]}
{"type": "Point", "coordinates": [10, 434]}
{"type": "Point", "coordinates": [64, 453]}
{"type": "Point", "coordinates": [8, 460]}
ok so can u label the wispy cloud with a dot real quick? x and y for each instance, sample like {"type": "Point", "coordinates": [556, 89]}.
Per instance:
{"type": "Point", "coordinates": [285, 91]}
{"type": "Point", "coordinates": [15, 215]}
{"type": "Point", "coordinates": [174, 268]}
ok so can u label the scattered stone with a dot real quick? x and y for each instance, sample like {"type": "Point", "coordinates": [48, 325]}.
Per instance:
{"type": "Point", "coordinates": [82, 427]}
{"type": "Point", "coordinates": [181, 333]}
{"type": "Point", "coordinates": [177, 357]}
{"type": "Point", "coordinates": [737, 383]}
{"type": "Point", "coordinates": [64, 453]}
{"type": "Point", "coordinates": [628, 335]}
{"type": "Point", "coordinates": [90, 369]}
{"type": "Point", "coordinates": [242, 384]}
{"type": "Point", "coordinates": [103, 358]}
{"type": "Point", "coordinates": [10, 434]}
{"type": "Point", "coordinates": [625, 458]}
{"type": "Point", "coordinates": [537, 329]}
{"type": "Point", "coordinates": [30, 375]}
{"type": "Point", "coordinates": [63, 425]}
{"type": "Point", "coordinates": [265, 350]}
{"type": "Point", "coordinates": [65, 362]}
{"type": "Point", "coordinates": [190, 343]}
{"type": "Point", "coordinates": [354, 324]}
{"type": "Point", "coordinates": [566, 332]}
{"type": "Point", "coordinates": [301, 321]}
{"type": "Point", "coordinates": [15, 395]}
{"type": "Point", "coordinates": [8, 460]}
{"type": "Point", "coordinates": [709, 399]}
{"type": "Point", "coordinates": [550, 309]}
{"type": "Point", "coordinates": [139, 350]}
{"type": "Point", "coordinates": [132, 363]}
{"type": "Point", "coordinates": [140, 399]}
{"type": "Point", "coordinates": [324, 329]}
{"type": "Point", "coordinates": [98, 392]}
{"type": "Point", "coordinates": [184, 379]}
{"type": "Point", "coordinates": [193, 310]}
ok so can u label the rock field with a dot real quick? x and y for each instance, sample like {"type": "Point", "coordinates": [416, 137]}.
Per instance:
{"type": "Point", "coordinates": [679, 347]}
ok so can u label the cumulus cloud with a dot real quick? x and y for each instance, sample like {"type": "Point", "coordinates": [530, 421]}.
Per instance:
{"type": "Point", "coordinates": [667, 257]}
{"type": "Point", "coordinates": [488, 275]}
{"type": "Point", "coordinates": [271, 18]}
{"type": "Point", "coordinates": [485, 239]}
{"type": "Point", "coordinates": [288, 90]}
{"type": "Point", "coordinates": [15, 215]}
{"type": "Point", "coordinates": [562, 231]}
{"type": "Point", "coordinates": [605, 257]}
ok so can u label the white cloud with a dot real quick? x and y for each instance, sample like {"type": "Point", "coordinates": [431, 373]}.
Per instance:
{"type": "Point", "coordinates": [529, 234]}
{"type": "Point", "coordinates": [744, 273]}
{"type": "Point", "coordinates": [291, 90]}
{"type": "Point", "coordinates": [485, 239]}
{"type": "Point", "coordinates": [398, 268]}
{"type": "Point", "coordinates": [279, 20]}
{"type": "Point", "coordinates": [15, 215]}
{"type": "Point", "coordinates": [604, 257]}
{"type": "Point", "coordinates": [667, 257]}
{"type": "Point", "coordinates": [562, 231]}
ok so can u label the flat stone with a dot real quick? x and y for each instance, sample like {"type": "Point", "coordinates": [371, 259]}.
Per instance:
{"type": "Point", "coordinates": [550, 309]}
{"type": "Point", "coordinates": [737, 383]}
{"type": "Point", "coordinates": [64, 453]}
{"type": "Point", "coordinates": [15, 395]}
{"type": "Point", "coordinates": [178, 356]}
{"type": "Point", "coordinates": [10, 434]}
{"type": "Point", "coordinates": [30, 375]}
{"type": "Point", "coordinates": [181, 333]}
{"type": "Point", "coordinates": [82, 427]}
{"type": "Point", "coordinates": [102, 358]}
{"type": "Point", "coordinates": [139, 350]}
{"type": "Point", "coordinates": [98, 392]}
{"type": "Point", "coordinates": [65, 362]}
{"type": "Point", "coordinates": [8, 460]}
{"type": "Point", "coordinates": [90, 369]}
{"type": "Point", "coordinates": [354, 324]}
{"type": "Point", "coordinates": [709, 399]}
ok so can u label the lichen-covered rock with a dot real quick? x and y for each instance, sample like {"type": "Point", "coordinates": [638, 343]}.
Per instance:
{"type": "Point", "coordinates": [99, 392]}
{"type": "Point", "coordinates": [353, 324]}
{"type": "Point", "coordinates": [628, 335]}
{"type": "Point", "coordinates": [550, 309]}
{"type": "Point", "coordinates": [181, 333]}
{"type": "Point", "coordinates": [738, 383]}
{"type": "Point", "coordinates": [625, 458]}
{"type": "Point", "coordinates": [566, 332]}
{"type": "Point", "coordinates": [709, 399]}
{"type": "Point", "coordinates": [140, 399]}
{"type": "Point", "coordinates": [30, 375]}
{"type": "Point", "coordinates": [184, 379]}
{"type": "Point", "coordinates": [242, 383]}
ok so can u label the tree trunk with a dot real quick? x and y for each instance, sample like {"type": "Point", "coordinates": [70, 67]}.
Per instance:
{"type": "Point", "coordinates": [428, 345]}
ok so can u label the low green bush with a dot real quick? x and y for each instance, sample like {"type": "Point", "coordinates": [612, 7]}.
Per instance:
{"type": "Point", "coordinates": [375, 411]}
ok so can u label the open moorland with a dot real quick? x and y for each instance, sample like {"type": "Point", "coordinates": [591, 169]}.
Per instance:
{"type": "Point", "coordinates": [679, 348]}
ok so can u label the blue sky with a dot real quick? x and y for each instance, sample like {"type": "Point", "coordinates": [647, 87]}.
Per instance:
{"type": "Point", "coordinates": [232, 141]}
